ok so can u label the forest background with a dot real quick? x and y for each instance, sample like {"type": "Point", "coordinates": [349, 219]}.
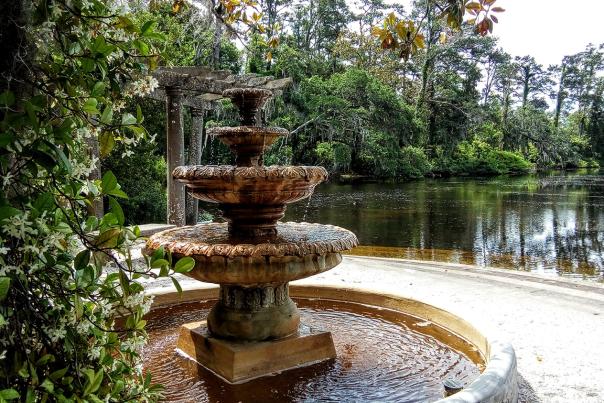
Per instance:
{"type": "Point", "coordinates": [458, 105]}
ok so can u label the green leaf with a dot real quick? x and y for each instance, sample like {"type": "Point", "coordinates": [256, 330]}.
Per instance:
{"type": "Point", "coordinates": [90, 106]}
{"type": "Point", "coordinates": [117, 387]}
{"type": "Point", "coordinates": [128, 119]}
{"type": "Point", "coordinates": [184, 265]}
{"type": "Point", "coordinates": [9, 394]}
{"type": "Point", "coordinates": [116, 209]}
{"type": "Point", "coordinates": [98, 89]}
{"type": "Point", "coordinates": [7, 98]}
{"type": "Point", "coordinates": [45, 201]}
{"type": "Point", "coordinates": [93, 381]}
{"type": "Point", "coordinates": [82, 259]}
{"type": "Point", "coordinates": [45, 359]}
{"type": "Point", "coordinates": [107, 115]}
{"type": "Point", "coordinates": [7, 212]}
{"type": "Point", "coordinates": [147, 26]}
{"type": "Point", "coordinates": [108, 239]}
{"type": "Point", "coordinates": [48, 385]}
{"type": "Point", "coordinates": [126, 23]}
{"type": "Point", "coordinates": [177, 285]}
{"type": "Point", "coordinates": [159, 263]}
{"type": "Point", "coordinates": [109, 182]}
{"type": "Point", "coordinates": [142, 46]}
{"type": "Point", "coordinates": [139, 114]}
{"type": "Point", "coordinates": [31, 114]}
{"type": "Point", "coordinates": [4, 287]}
{"type": "Point", "coordinates": [78, 305]}
{"type": "Point", "coordinates": [158, 254]}
{"type": "Point", "coordinates": [58, 374]}
{"type": "Point", "coordinates": [117, 193]}
{"type": "Point", "coordinates": [91, 223]}
{"type": "Point", "coordinates": [6, 139]}
{"type": "Point", "coordinates": [106, 142]}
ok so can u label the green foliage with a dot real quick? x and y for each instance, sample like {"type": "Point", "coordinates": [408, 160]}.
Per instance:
{"type": "Point", "coordinates": [142, 176]}
{"type": "Point", "coordinates": [477, 157]}
{"type": "Point", "coordinates": [67, 277]}
{"type": "Point", "coordinates": [413, 162]}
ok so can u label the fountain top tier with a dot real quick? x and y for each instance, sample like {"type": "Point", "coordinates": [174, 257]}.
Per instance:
{"type": "Point", "coordinates": [251, 196]}
{"type": "Point", "coordinates": [248, 142]}
{"type": "Point", "coordinates": [249, 101]}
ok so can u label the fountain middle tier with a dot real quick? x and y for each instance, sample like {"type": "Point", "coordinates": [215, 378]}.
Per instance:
{"type": "Point", "coordinates": [252, 198]}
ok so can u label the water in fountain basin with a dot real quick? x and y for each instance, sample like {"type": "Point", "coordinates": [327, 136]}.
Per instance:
{"type": "Point", "coordinates": [382, 356]}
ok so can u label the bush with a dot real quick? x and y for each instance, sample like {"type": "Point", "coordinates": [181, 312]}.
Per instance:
{"type": "Point", "coordinates": [70, 331]}
{"type": "Point", "coordinates": [413, 162]}
{"type": "Point", "coordinates": [478, 157]}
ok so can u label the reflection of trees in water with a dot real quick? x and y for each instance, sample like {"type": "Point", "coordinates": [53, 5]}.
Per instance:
{"type": "Point", "coordinates": [556, 228]}
{"type": "Point", "coordinates": [539, 223]}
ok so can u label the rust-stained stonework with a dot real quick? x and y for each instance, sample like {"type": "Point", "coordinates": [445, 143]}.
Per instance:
{"type": "Point", "coordinates": [252, 198]}
{"type": "Point", "coordinates": [293, 239]}
{"type": "Point", "coordinates": [297, 251]}
{"type": "Point", "coordinates": [196, 173]}
{"type": "Point", "coordinates": [254, 256]}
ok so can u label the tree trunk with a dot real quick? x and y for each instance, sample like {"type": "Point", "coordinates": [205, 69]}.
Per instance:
{"type": "Point", "coordinates": [216, 45]}
{"type": "Point", "coordinates": [560, 96]}
{"type": "Point", "coordinates": [427, 66]}
{"type": "Point", "coordinates": [525, 87]}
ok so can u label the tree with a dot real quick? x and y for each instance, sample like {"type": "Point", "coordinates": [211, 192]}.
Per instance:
{"type": "Point", "coordinates": [531, 79]}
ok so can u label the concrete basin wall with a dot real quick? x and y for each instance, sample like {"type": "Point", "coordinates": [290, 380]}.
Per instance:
{"type": "Point", "coordinates": [497, 383]}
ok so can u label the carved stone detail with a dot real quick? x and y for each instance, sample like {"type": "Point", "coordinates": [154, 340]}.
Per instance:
{"type": "Point", "coordinates": [293, 239]}
{"type": "Point", "coordinates": [254, 298]}
{"type": "Point", "coordinates": [195, 173]}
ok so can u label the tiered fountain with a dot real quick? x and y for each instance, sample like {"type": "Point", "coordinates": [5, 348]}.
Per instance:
{"type": "Point", "coordinates": [253, 256]}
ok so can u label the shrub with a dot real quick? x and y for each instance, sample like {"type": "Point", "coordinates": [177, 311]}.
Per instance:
{"type": "Point", "coordinates": [478, 157]}
{"type": "Point", "coordinates": [413, 162]}
{"type": "Point", "coordinates": [59, 308]}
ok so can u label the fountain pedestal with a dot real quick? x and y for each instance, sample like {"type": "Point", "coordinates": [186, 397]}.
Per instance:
{"type": "Point", "coordinates": [241, 361]}
{"type": "Point", "coordinates": [254, 329]}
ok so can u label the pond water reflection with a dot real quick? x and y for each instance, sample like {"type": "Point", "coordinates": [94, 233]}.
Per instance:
{"type": "Point", "coordinates": [549, 223]}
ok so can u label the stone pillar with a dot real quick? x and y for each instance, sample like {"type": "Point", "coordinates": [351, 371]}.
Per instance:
{"type": "Point", "coordinates": [175, 155]}
{"type": "Point", "coordinates": [196, 137]}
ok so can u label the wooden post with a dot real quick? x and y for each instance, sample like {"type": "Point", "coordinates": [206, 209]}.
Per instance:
{"type": "Point", "coordinates": [175, 155]}
{"type": "Point", "coordinates": [196, 137]}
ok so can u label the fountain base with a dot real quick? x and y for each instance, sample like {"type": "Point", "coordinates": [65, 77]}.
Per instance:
{"type": "Point", "coordinates": [239, 362]}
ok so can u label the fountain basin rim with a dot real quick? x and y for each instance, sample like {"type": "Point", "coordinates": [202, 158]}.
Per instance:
{"type": "Point", "coordinates": [173, 240]}
{"type": "Point", "coordinates": [190, 173]}
{"type": "Point", "coordinates": [497, 383]}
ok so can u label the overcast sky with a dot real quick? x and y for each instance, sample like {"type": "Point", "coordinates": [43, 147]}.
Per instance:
{"type": "Point", "coordinates": [549, 29]}
{"type": "Point", "coordinates": [545, 29]}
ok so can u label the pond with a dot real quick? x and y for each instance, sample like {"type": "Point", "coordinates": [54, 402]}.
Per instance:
{"type": "Point", "coordinates": [551, 223]}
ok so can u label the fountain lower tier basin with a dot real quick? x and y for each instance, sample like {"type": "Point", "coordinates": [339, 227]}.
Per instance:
{"type": "Point", "coordinates": [388, 348]}
{"type": "Point", "coordinates": [298, 250]}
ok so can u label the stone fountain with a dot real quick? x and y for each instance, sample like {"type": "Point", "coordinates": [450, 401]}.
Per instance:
{"type": "Point", "coordinates": [254, 329]}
